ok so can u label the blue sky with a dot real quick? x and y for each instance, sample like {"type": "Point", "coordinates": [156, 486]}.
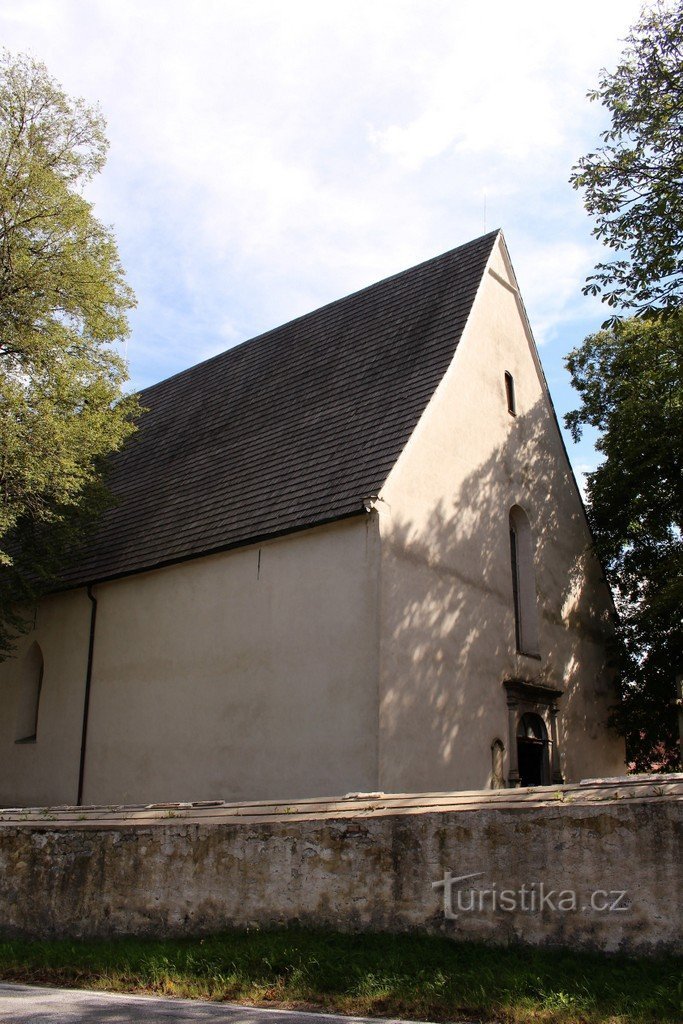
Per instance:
{"type": "Point", "coordinates": [272, 155]}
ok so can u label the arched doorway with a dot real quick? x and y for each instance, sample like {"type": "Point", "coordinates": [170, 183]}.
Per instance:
{"type": "Point", "coordinates": [532, 751]}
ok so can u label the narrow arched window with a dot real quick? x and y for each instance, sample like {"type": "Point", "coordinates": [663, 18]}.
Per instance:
{"type": "Point", "coordinates": [510, 393]}
{"type": "Point", "coordinates": [30, 685]}
{"type": "Point", "coordinates": [523, 582]}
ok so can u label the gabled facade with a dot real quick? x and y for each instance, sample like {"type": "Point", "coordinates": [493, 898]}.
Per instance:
{"type": "Point", "coordinates": [349, 555]}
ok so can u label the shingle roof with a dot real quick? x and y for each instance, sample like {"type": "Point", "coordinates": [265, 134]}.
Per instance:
{"type": "Point", "coordinates": [291, 429]}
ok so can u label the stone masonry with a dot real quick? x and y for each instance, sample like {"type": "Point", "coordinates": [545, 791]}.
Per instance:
{"type": "Point", "coordinates": [367, 862]}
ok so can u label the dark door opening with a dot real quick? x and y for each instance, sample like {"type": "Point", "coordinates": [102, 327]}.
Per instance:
{"type": "Point", "coordinates": [532, 751]}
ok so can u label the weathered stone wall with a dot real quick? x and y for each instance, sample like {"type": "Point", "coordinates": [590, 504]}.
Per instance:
{"type": "Point", "coordinates": [359, 864]}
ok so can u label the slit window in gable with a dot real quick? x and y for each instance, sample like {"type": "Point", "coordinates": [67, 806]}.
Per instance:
{"type": "Point", "coordinates": [510, 393]}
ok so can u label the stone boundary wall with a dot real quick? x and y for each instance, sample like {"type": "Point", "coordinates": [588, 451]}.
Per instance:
{"type": "Point", "coordinates": [368, 862]}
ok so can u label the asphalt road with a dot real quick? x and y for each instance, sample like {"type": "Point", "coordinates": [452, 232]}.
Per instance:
{"type": "Point", "coordinates": [26, 1004]}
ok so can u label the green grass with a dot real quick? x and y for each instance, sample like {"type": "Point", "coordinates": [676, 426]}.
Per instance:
{"type": "Point", "coordinates": [412, 976]}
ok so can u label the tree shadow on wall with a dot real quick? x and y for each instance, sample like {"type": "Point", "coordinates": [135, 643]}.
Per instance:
{"type": "Point", "coordinates": [448, 610]}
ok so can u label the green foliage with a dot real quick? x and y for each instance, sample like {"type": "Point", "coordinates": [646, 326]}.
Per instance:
{"type": "Point", "coordinates": [630, 379]}
{"type": "Point", "coordinates": [629, 376]}
{"type": "Point", "coordinates": [633, 183]}
{"type": "Point", "coordinates": [414, 977]}
{"type": "Point", "coordinates": [63, 303]}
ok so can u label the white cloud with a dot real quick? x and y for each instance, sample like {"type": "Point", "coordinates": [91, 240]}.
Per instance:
{"type": "Point", "coordinates": [548, 274]}
{"type": "Point", "coordinates": [268, 157]}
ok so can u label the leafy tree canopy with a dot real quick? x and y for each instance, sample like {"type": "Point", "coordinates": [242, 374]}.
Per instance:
{"type": "Point", "coordinates": [63, 303]}
{"type": "Point", "coordinates": [633, 183]}
{"type": "Point", "coordinates": [630, 379]}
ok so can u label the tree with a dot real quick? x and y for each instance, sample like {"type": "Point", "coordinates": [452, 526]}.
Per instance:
{"type": "Point", "coordinates": [629, 374]}
{"type": "Point", "coordinates": [633, 183]}
{"type": "Point", "coordinates": [63, 304]}
{"type": "Point", "coordinates": [630, 379]}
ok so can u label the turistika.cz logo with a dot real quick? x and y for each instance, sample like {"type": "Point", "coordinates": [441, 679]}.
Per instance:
{"type": "Point", "coordinates": [531, 897]}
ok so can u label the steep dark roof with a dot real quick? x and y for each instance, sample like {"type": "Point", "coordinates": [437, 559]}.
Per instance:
{"type": "Point", "coordinates": [289, 430]}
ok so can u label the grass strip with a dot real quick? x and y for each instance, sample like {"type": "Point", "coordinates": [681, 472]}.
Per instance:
{"type": "Point", "coordinates": [411, 976]}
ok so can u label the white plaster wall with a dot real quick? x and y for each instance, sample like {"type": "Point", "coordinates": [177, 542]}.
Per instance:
{"type": "Point", "coordinates": [244, 675]}
{"type": "Point", "coordinates": [263, 672]}
{"type": "Point", "coordinates": [46, 772]}
{"type": "Point", "coordinates": [448, 634]}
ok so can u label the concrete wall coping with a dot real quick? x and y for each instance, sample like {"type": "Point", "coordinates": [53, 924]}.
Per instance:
{"type": "Point", "coordinates": [626, 789]}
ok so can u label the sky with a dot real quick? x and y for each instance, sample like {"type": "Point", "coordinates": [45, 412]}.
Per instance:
{"type": "Point", "coordinates": [269, 156]}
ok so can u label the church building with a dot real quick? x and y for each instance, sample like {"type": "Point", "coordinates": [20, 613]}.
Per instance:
{"type": "Point", "coordinates": [347, 555]}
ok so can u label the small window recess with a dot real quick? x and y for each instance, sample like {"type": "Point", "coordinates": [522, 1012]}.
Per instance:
{"type": "Point", "coordinates": [31, 684]}
{"type": "Point", "coordinates": [510, 393]}
{"type": "Point", "coordinates": [497, 764]}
